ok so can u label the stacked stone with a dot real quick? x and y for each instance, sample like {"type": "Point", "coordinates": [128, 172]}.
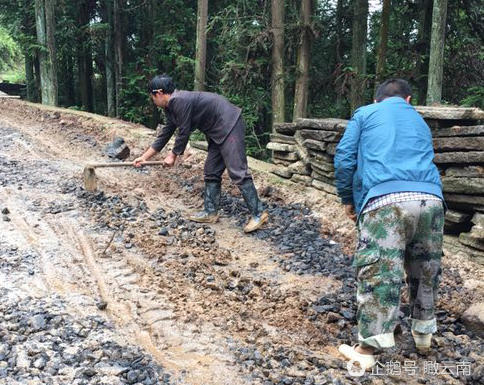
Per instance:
{"type": "Point", "coordinates": [459, 155]}
{"type": "Point", "coordinates": [285, 153]}
{"type": "Point", "coordinates": [319, 138]}
{"type": "Point", "coordinates": [304, 151]}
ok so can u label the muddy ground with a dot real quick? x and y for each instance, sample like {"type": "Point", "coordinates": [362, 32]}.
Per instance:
{"type": "Point", "coordinates": [117, 287]}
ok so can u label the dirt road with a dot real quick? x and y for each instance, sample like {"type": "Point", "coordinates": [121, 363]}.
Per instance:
{"type": "Point", "coordinates": [117, 287]}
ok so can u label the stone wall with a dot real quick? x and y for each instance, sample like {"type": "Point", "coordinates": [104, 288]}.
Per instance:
{"type": "Point", "coordinates": [304, 150]}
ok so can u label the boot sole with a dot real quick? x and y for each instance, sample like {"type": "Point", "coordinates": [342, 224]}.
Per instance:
{"type": "Point", "coordinates": [204, 220]}
{"type": "Point", "coordinates": [263, 219]}
{"type": "Point", "coordinates": [423, 351]}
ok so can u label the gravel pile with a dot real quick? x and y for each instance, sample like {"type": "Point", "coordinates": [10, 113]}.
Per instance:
{"type": "Point", "coordinates": [42, 343]}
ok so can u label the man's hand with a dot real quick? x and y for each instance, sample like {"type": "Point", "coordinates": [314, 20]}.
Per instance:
{"type": "Point", "coordinates": [350, 212]}
{"type": "Point", "coordinates": [170, 159]}
{"type": "Point", "coordinates": [138, 162]}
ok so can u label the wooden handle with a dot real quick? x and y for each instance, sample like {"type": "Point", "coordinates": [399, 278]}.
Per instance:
{"type": "Point", "coordinates": [124, 164]}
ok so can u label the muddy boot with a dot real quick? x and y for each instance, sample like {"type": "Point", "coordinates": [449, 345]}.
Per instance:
{"type": "Point", "coordinates": [258, 215]}
{"type": "Point", "coordinates": [210, 204]}
{"type": "Point", "coordinates": [422, 341]}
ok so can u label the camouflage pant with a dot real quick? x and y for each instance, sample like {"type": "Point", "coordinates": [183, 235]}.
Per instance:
{"type": "Point", "coordinates": [400, 238]}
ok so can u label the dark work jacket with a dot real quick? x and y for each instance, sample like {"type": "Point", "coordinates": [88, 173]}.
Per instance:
{"type": "Point", "coordinates": [212, 114]}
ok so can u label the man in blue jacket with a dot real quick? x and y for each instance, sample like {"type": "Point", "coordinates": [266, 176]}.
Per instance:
{"type": "Point", "coordinates": [389, 185]}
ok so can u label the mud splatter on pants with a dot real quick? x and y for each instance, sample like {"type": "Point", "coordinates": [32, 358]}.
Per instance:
{"type": "Point", "coordinates": [400, 238]}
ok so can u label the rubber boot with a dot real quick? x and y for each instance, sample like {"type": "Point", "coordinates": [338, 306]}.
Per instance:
{"type": "Point", "coordinates": [258, 215]}
{"type": "Point", "coordinates": [422, 341]}
{"type": "Point", "coordinates": [211, 203]}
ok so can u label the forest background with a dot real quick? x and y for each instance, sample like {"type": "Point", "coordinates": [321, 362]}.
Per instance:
{"type": "Point", "coordinates": [276, 59]}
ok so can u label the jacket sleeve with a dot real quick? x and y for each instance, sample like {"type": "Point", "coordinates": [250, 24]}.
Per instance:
{"type": "Point", "coordinates": [183, 112]}
{"type": "Point", "coordinates": [345, 159]}
{"type": "Point", "coordinates": [165, 135]}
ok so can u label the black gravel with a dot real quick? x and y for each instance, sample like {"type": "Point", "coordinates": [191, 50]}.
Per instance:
{"type": "Point", "coordinates": [40, 341]}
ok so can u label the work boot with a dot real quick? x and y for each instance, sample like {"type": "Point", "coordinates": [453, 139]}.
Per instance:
{"type": "Point", "coordinates": [211, 203]}
{"type": "Point", "coordinates": [422, 341]}
{"type": "Point", "coordinates": [258, 215]}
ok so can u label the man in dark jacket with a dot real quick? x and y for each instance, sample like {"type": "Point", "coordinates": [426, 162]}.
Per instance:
{"type": "Point", "coordinates": [224, 128]}
{"type": "Point", "coordinates": [390, 186]}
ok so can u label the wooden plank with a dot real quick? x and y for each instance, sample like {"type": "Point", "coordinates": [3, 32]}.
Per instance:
{"type": "Point", "coordinates": [459, 157]}
{"type": "Point", "coordinates": [299, 168]}
{"type": "Point", "coordinates": [452, 244]}
{"type": "Point", "coordinates": [3, 95]}
{"type": "Point", "coordinates": [331, 148]}
{"type": "Point", "coordinates": [282, 162]}
{"type": "Point", "coordinates": [324, 187]}
{"type": "Point", "coordinates": [464, 198]}
{"type": "Point", "coordinates": [306, 180]}
{"type": "Point", "coordinates": [325, 173]}
{"type": "Point", "coordinates": [285, 128]}
{"type": "Point", "coordinates": [478, 219]}
{"type": "Point", "coordinates": [458, 144]}
{"type": "Point", "coordinates": [200, 144]}
{"type": "Point", "coordinates": [281, 147]}
{"type": "Point", "coordinates": [285, 155]}
{"type": "Point", "coordinates": [279, 138]}
{"type": "Point", "coordinates": [321, 156]}
{"type": "Point", "coordinates": [450, 113]}
{"type": "Point", "coordinates": [321, 135]}
{"type": "Point", "coordinates": [470, 240]}
{"type": "Point", "coordinates": [457, 216]}
{"type": "Point", "coordinates": [315, 145]}
{"type": "Point", "coordinates": [465, 172]}
{"type": "Point", "coordinates": [322, 165]}
{"type": "Point", "coordinates": [282, 171]}
{"type": "Point", "coordinates": [458, 131]}
{"type": "Point", "coordinates": [322, 178]}
{"type": "Point", "coordinates": [329, 124]}
{"type": "Point", "coordinates": [472, 186]}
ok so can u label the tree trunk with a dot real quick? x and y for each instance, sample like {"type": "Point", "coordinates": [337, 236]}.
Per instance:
{"type": "Point", "coordinates": [201, 47]}
{"type": "Point", "coordinates": [303, 62]}
{"type": "Point", "coordinates": [29, 27]}
{"type": "Point", "coordinates": [423, 46]}
{"type": "Point", "coordinates": [358, 53]}
{"type": "Point", "coordinates": [69, 76]}
{"type": "Point", "coordinates": [382, 48]}
{"type": "Point", "coordinates": [84, 55]}
{"type": "Point", "coordinates": [118, 53]}
{"type": "Point", "coordinates": [339, 53]}
{"type": "Point", "coordinates": [38, 82]}
{"type": "Point", "coordinates": [45, 25]}
{"type": "Point", "coordinates": [278, 103]}
{"type": "Point", "coordinates": [436, 62]}
{"type": "Point", "coordinates": [109, 59]}
{"type": "Point", "coordinates": [29, 76]}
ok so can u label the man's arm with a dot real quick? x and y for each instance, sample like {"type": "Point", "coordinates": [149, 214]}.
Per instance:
{"type": "Point", "coordinates": [345, 163]}
{"type": "Point", "coordinates": [182, 109]}
{"type": "Point", "coordinates": [160, 142]}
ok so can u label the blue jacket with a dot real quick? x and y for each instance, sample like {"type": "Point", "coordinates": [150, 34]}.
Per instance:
{"type": "Point", "coordinates": [386, 148]}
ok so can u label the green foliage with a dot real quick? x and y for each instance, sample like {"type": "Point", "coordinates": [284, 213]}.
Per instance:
{"type": "Point", "coordinates": [159, 37]}
{"type": "Point", "coordinates": [474, 98]}
{"type": "Point", "coordinates": [16, 75]}
{"type": "Point", "coordinates": [10, 54]}
{"type": "Point", "coordinates": [240, 50]}
{"type": "Point", "coordinates": [135, 101]}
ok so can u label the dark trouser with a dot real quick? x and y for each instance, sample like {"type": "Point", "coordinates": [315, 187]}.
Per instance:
{"type": "Point", "coordinates": [229, 154]}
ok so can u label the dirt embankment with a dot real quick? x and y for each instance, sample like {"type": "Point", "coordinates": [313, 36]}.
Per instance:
{"type": "Point", "coordinates": [122, 270]}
